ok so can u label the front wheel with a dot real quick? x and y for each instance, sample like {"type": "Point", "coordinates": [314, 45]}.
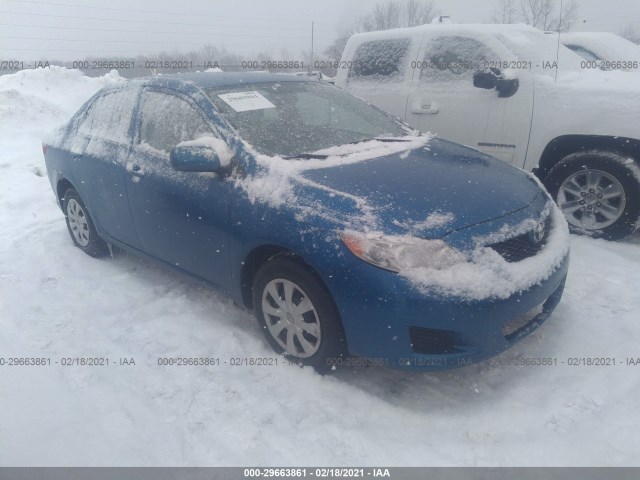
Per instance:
{"type": "Point", "coordinates": [598, 192]}
{"type": "Point", "coordinates": [297, 314]}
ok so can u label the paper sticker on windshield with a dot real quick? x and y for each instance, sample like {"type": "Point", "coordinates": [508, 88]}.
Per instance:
{"type": "Point", "coordinates": [245, 101]}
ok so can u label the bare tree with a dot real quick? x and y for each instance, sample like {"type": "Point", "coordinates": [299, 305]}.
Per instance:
{"type": "Point", "coordinates": [566, 18]}
{"type": "Point", "coordinates": [397, 14]}
{"type": "Point", "coordinates": [543, 14]}
{"type": "Point", "coordinates": [334, 51]}
{"type": "Point", "coordinates": [417, 12]}
{"type": "Point", "coordinates": [505, 12]}
{"type": "Point", "coordinates": [631, 34]}
{"type": "Point", "coordinates": [384, 16]}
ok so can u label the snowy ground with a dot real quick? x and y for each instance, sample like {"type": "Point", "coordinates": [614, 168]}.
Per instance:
{"type": "Point", "coordinates": [57, 302]}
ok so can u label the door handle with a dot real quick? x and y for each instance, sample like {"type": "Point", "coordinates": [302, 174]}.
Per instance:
{"type": "Point", "coordinates": [422, 107]}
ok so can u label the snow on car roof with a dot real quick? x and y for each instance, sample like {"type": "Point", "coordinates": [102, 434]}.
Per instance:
{"type": "Point", "coordinates": [606, 45]}
{"type": "Point", "coordinates": [223, 79]}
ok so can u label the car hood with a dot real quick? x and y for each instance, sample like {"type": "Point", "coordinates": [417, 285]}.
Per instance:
{"type": "Point", "coordinates": [431, 191]}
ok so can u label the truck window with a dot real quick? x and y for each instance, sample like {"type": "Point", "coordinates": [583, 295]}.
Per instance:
{"type": "Point", "coordinates": [380, 58]}
{"type": "Point", "coordinates": [452, 59]}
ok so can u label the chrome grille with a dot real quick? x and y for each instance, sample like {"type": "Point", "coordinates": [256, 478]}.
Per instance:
{"type": "Point", "coordinates": [523, 246]}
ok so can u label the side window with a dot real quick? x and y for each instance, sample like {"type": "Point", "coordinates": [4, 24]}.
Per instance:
{"type": "Point", "coordinates": [166, 120]}
{"type": "Point", "coordinates": [584, 53]}
{"type": "Point", "coordinates": [452, 59]}
{"type": "Point", "coordinates": [383, 59]}
{"type": "Point", "coordinates": [109, 116]}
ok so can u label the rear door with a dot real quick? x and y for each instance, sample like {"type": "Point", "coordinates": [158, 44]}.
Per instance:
{"type": "Point", "coordinates": [99, 148]}
{"type": "Point", "coordinates": [378, 73]}
{"type": "Point", "coordinates": [181, 217]}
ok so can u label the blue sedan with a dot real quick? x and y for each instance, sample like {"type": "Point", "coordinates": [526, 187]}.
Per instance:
{"type": "Point", "coordinates": [353, 238]}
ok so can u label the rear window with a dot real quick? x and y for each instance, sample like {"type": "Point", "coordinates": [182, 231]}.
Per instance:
{"type": "Point", "coordinates": [109, 116]}
{"type": "Point", "coordinates": [382, 58]}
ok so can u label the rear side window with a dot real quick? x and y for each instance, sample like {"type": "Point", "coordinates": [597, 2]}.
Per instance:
{"type": "Point", "coordinates": [167, 120]}
{"type": "Point", "coordinates": [380, 59]}
{"type": "Point", "coordinates": [109, 116]}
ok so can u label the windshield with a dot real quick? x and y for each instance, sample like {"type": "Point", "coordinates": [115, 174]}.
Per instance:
{"type": "Point", "coordinates": [293, 118]}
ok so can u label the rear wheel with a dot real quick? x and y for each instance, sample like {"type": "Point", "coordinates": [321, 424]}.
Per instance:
{"type": "Point", "coordinates": [297, 314]}
{"type": "Point", "coordinates": [598, 192]}
{"type": "Point", "coordinates": [81, 227]}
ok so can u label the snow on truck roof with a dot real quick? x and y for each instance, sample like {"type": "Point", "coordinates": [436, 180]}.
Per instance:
{"type": "Point", "coordinates": [451, 29]}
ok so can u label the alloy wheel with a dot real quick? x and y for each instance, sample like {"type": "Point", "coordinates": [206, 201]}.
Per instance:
{"type": "Point", "coordinates": [591, 199]}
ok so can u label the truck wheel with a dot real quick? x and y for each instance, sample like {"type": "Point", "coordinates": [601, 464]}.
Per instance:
{"type": "Point", "coordinates": [298, 315]}
{"type": "Point", "coordinates": [598, 192]}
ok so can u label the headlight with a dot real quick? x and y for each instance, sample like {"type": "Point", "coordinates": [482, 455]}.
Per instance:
{"type": "Point", "coordinates": [396, 253]}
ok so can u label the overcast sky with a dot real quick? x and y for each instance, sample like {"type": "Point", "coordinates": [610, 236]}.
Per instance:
{"type": "Point", "coordinates": [73, 29]}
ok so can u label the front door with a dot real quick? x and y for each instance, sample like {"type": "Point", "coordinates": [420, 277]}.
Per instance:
{"type": "Point", "coordinates": [181, 217]}
{"type": "Point", "coordinates": [445, 101]}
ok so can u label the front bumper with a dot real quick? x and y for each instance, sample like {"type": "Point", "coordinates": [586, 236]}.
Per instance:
{"type": "Point", "coordinates": [388, 322]}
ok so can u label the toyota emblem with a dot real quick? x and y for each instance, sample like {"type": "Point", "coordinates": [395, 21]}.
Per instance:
{"type": "Point", "coordinates": [538, 232]}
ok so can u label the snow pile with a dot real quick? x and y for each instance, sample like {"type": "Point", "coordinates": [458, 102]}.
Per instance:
{"type": "Point", "coordinates": [31, 98]}
{"type": "Point", "coordinates": [486, 274]}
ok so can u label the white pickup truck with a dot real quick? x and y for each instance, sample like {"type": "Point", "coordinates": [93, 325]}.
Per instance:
{"type": "Point", "coordinates": [520, 95]}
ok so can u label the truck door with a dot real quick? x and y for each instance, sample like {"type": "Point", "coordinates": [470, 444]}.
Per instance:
{"type": "Point", "coordinates": [445, 101]}
{"type": "Point", "coordinates": [378, 73]}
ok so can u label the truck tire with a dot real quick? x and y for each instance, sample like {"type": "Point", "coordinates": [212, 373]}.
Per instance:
{"type": "Point", "coordinates": [598, 192]}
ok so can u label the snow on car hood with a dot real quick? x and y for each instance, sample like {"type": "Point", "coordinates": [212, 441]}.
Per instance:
{"type": "Point", "coordinates": [430, 192]}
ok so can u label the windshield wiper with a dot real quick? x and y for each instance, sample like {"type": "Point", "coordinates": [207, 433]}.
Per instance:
{"type": "Point", "coordinates": [307, 156]}
{"type": "Point", "coordinates": [324, 157]}
{"type": "Point", "coordinates": [379, 139]}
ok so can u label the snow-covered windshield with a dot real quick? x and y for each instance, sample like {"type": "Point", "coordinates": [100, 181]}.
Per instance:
{"type": "Point", "coordinates": [602, 45]}
{"type": "Point", "coordinates": [292, 118]}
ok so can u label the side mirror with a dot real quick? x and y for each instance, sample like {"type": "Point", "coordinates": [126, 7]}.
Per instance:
{"type": "Point", "coordinates": [486, 79]}
{"type": "Point", "coordinates": [206, 154]}
{"type": "Point", "coordinates": [494, 78]}
{"type": "Point", "coordinates": [507, 87]}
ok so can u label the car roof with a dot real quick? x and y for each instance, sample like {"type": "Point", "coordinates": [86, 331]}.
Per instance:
{"type": "Point", "coordinates": [223, 79]}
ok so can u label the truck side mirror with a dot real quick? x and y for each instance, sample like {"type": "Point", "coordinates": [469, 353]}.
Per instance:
{"type": "Point", "coordinates": [507, 87]}
{"type": "Point", "coordinates": [493, 78]}
{"type": "Point", "coordinates": [485, 79]}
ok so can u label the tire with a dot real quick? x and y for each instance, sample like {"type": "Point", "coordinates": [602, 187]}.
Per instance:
{"type": "Point", "coordinates": [598, 192]}
{"type": "Point", "coordinates": [311, 334]}
{"type": "Point", "coordinates": [81, 227]}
